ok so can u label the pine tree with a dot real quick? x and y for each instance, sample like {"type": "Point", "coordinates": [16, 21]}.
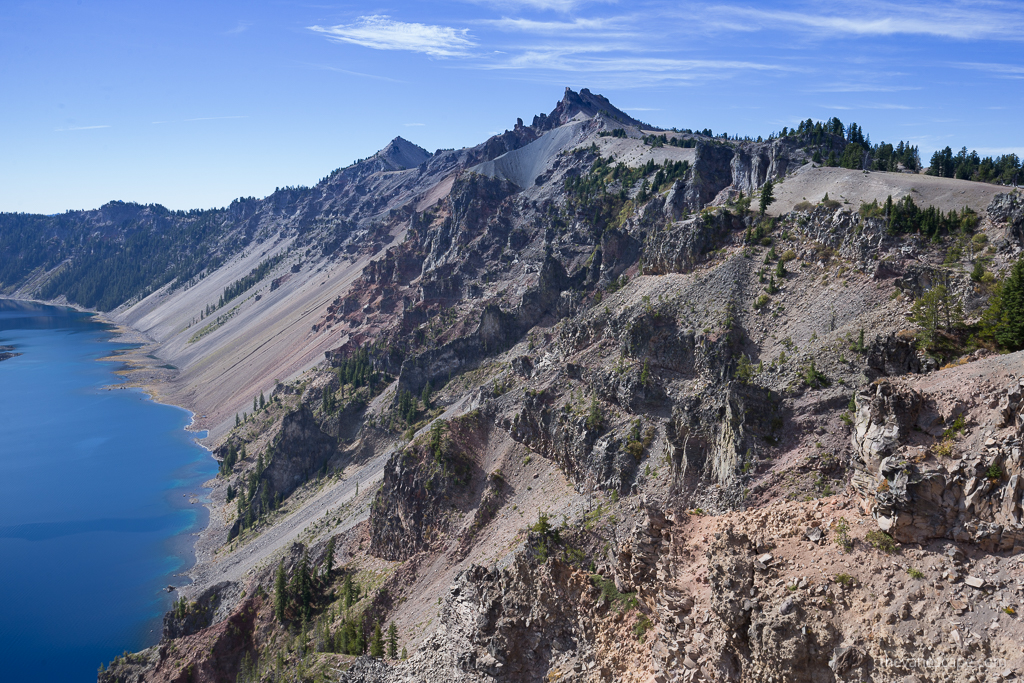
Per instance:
{"type": "Point", "coordinates": [1005, 316]}
{"type": "Point", "coordinates": [304, 581]}
{"type": "Point", "coordinates": [263, 401]}
{"type": "Point", "coordinates": [255, 404]}
{"type": "Point", "coordinates": [377, 643]}
{"type": "Point", "coordinates": [767, 197]}
{"type": "Point", "coordinates": [425, 397]}
{"type": "Point", "coordinates": [280, 592]}
{"type": "Point", "coordinates": [329, 558]}
{"type": "Point", "coordinates": [936, 310]}
{"type": "Point", "coordinates": [347, 592]}
{"type": "Point", "coordinates": [392, 641]}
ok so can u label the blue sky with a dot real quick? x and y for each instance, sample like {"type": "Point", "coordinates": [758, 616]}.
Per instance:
{"type": "Point", "coordinates": [191, 104]}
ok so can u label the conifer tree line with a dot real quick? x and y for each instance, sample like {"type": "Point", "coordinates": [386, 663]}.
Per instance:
{"type": "Point", "coordinates": [297, 597]}
{"type": "Point", "coordinates": [859, 153]}
{"type": "Point", "coordinates": [905, 217]}
{"type": "Point", "coordinates": [1002, 170]}
{"type": "Point", "coordinates": [250, 508]}
{"type": "Point", "coordinates": [242, 285]}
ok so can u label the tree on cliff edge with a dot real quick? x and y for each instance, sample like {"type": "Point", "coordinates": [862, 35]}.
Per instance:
{"type": "Point", "coordinates": [767, 197]}
{"type": "Point", "coordinates": [280, 592]}
{"type": "Point", "coordinates": [1003, 322]}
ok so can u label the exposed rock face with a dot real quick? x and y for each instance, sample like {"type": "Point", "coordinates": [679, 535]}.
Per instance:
{"type": "Point", "coordinates": [301, 450]}
{"type": "Point", "coordinates": [195, 615]}
{"type": "Point", "coordinates": [1009, 208]}
{"type": "Point", "coordinates": [507, 625]}
{"type": "Point", "coordinates": [711, 173]}
{"type": "Point", "coordinates": [714, 435]}
{"type": "Point", "coordinates": [893, 355]}
{"type": "Point", "coordinates": [753, 165]}
{"type": "Point", "coordinates": [923, 489]}
{"type": "Point", "coordinates": [686, 243]}
{"type": "Point", "coordinates": [717, 168]}
{"type": "Point", "coordinates": [498, 330]}
{"type": "Point", "coordinates": [422, 487]}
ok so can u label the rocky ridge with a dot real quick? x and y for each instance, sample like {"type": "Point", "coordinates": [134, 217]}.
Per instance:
{"type": "Point", "coordinates": [636, 434]}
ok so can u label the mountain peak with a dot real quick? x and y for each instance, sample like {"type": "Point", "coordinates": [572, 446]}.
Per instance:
{"type": "Point", "coordinates": [583, 102]}
{"type": "Point", "coordinates": [401, 154]}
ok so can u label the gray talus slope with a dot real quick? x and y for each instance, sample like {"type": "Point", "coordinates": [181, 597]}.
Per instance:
{"type": "Point", "coordinates": [523, 165]}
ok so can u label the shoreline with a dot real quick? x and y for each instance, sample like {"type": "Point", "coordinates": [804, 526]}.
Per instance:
{"type": "Point", "coordinates": [138, 374]}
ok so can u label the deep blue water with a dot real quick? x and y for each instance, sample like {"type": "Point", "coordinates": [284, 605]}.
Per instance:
{"type": "Point", "coordinates": [93, 520]}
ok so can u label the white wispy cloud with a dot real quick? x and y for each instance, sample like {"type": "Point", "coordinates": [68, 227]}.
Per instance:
{"type": "Point", "coordinates": [1005, 70]}
{"type": "Point", "coordinates": [867, 106]}
{"type": "Point", "coordinates": [414, 124]}
{"type": "Point", "coordinates": [380, 32]}
{"type": "Point", "coordinates": [240, 27]}
{"type": "Point", "coordinates": [863, 87]}
{"type": "Point", "coordinates": [348, 72]}
{"type": "Point", "coordinates": [604, 26]}
{"type": "Point", "coordinates": [62, 130]}
{"type": "Point", "coordinates": [583, 58]}
{"type": "Point", "coordinates": [958, 20]}
{"type": "Point", "coordinates": [550, 5]}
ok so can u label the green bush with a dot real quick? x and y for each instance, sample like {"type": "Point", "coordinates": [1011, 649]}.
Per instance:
{"type": "Point", "coordinates": [882, 541]}
{"type": "Point", "coordinates": [844, 580]}
{"type": "Point", "coordinates": [611, 596]}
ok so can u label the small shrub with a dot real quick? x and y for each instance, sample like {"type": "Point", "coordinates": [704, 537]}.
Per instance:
{"type": "Point", "coordinates": [611, 596]}
{"type": "Point", "coordinates": [994, 472]}
{"type": "Point", "coordinates": [643, 625]}
{"type": "Point", "coordinates": [841, 529]}
{"type": "Point", "coordinates": [595, 418]}
{"type": "Point", "coordinates": [845, 580]}
{"type": "Point", "coordinates": [813, 378]}
{"type": "Point", "coordinates": [882, 541]}
{"type": "Point", "coordinates": [954, 429]}
{"type": "Point", "coordinates": [915, 573]}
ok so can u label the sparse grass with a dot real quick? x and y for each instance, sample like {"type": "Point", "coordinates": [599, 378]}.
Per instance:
{"type": "Point", "coordinates": [915, 573]}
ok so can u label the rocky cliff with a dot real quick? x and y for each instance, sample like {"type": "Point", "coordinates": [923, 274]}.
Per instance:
{"type": "Point", "coordinates": [578, 418]}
